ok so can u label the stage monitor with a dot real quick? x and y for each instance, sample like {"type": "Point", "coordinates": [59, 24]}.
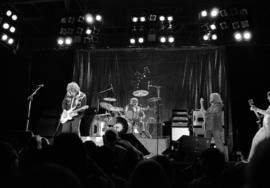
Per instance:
{"type": "Point", "coordinates": [178, 132]}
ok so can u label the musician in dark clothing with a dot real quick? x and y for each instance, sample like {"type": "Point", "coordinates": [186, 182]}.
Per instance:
{"type": "Point", "coordinates": [73, 105]}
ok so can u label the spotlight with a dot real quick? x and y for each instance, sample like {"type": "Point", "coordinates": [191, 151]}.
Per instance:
{"type": "Point", "coordinates": [213, 27]}
{"type": "Point", "coordinates": [8, 13]}
{"type": "Point", "coordinates": [68, 41]}
{"type": "Point", "coordinates": [98, 18]}
{"type": "Point", "coordinates": [214, 37]}
{"type": "Point", "coordinates": [89, 19]}
{"type": "Point", "coordinates": [152, 17]}
{"type": "Point", "coordinates": [237, 36]}
{"type": "Point", "coordinates": [5, 25]}
{"type": "Point", "coordinates": [10, 41]}
{"type": "Point", "coordinates": [4, 37]}
{"type": "Point", "coordinates": [223, 13]}
{"type": "Point", "coordinates": [132, 41]}
{"type": "Point", "coordinates": [171, 39]}
{"type": "Point", "coordinates": [247, 35]}
{"type": "Point", "coordinates": [162, 39]}
{"type": "Point", "coordinates": [170, 18]}
{"type": "Point", "coordinates": [214, 12]}
{"type": "Point", "coordinates": [142, 19]}
{"type": "Point", "coordinates": [223, 25]}
{"type": "Point", "coordinates": [60, 41]}
{"type": "Point", "coordinates": [88, 31]}
{"type": "Point", "coordinates": [203, 13]}
{"type": "Point", "coordinates": [12, 29]}
{"type": "Point", "coordinates": [134, 19]}
{"type": "Point", "coordinates": [161, 18]}
{"type": "Point", "coordinates": [14, 17]}
{"type": "Point", "coordinates": [140, 40]}
{"type": "Point", "coordinates": [206, 37]}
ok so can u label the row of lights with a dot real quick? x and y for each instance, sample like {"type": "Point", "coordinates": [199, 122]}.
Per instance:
{"type": "Point", "coordinates": [85, 29]}
{"type": "Point", "coordinates": [151, 18]}
{"type": "Point", "coordinates": [8, 23]}
{"type": "Point", "coordinates": [220, 22]}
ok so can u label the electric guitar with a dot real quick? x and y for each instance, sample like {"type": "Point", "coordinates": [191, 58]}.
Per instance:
{"type": "Point", "coordinates": [259, 118]}
{"type": "Point", "coordinates": [69, 114]}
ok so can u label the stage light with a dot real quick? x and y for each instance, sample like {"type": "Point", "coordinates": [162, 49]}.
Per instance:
{"type": "Point", "coordinates": [132, 41]}
{"type": "Point", "coordinates": [170, 18]}
{"type": "Point", "coordinates": [10, 41]}
{"type": "Point", "coordinates": [162, 39]}
{"type": "Point", "coordinates": [238, 36]}
{"type": "Point", "coordinates": [98, 18]}
{"type": "Point", "coordinates": [71, 20]}
{"type": "Point", "coordinates": [203, 13]}
{"type": "Point", "coordinates": [161, 18]}
{"type": "Point", "coordinates": [152, 17]}
{"type": "Point", "coordinates": [12, 29]}
{"type": "Point", "coordinates": [235, 25]}
{"type": "Point", "coordinates": [5, 25]}
{"type": "Point", "coordinates": [4, 37]}
{"type": "Point", "coordinates": [243, 12]}
{"type": "Point", "coordinates": [171, 39]}
{"type": "Point", "coordinates": [214, 12]}
{"type": "Point", "coordinates": [142, 19]}
{"type": "Point", "coordinates": [206, 37]}
{"type": "Point", "coordinates": [247, 35]}
{"type": "Point", "coordinates": [134, 19]}
{"type": "Point", "coordinates": [14, 17]}
{"type": "Point", "coordinates": [213, 27]}
{"type": "Point", "coordinates": [141, 40]}
{"type": "Point", "coordinates": [244, 24]}
{"type": "Point", "coordinates": [214, 37]}
{"type": "Point", "coordinates": [60, 41]}
{"type": "Point", "coordinates": [80, 19]}
{"type": "Point", "coordinates": [223, 13]}
{"type": "Point", "coordinates": [223, 25]}
{"type": "Point", "coordinates": [88, 31]}
{"type": "Point", "coordinates": [89, 19]}
{"type": "Point", "coordinates": [8, 13]}
{"type": "Point", "coordinates": [68, 41]}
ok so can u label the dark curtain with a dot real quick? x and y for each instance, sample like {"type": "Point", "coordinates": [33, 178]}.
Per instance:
{"type": "Point", "coordinates": [183, 76]}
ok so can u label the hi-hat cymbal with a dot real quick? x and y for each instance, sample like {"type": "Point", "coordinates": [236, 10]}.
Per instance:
{"type": "Point", "coordinates": [140, 93]}
{"type": "Point", "coordinates": [154, 99]}
{"type": "Point", "coordinates": [109, 99]}
{"type": "Point", "coordinates": [105, 105]}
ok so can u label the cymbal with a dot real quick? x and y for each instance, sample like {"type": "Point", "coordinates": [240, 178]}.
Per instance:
{"type": "Point", "coordinates": [105, 105]}
{"type": "Point", "coordinates": [117, 109]}
{"type": "Point", "coordinates": [140, 93]}
{"type": "Point", "coordinates": [154, 99]}
{"type": "Point", "coordinates": [109, 99]}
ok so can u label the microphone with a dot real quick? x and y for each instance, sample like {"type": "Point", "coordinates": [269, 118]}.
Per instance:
{"type": "Point", "coordinates": [40, 85]}
{"type": "Point", "coordinates": [112, 88]}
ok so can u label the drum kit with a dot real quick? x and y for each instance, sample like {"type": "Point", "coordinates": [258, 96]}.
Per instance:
{"type": "Point", "coordinates": [114, 117]}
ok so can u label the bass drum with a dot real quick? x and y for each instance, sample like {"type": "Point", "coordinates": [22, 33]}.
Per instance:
{"type": "Point", "coordinates": [121, 125]}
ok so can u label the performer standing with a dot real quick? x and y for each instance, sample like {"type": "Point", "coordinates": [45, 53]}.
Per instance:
{"type": "Point", "coordinates": [135, 115]}
{"type": "Point", "coordinates": [73, 105]}
{"type": "Point", "coordinates": [264, 131]}
{"type": "Point", "coordinates": [213, 120]}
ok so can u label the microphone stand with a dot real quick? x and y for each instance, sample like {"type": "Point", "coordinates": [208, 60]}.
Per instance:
{"type": "Point", "coordinates": [30, 98]}
{"type": "Point", "coordinates": [158, 109]}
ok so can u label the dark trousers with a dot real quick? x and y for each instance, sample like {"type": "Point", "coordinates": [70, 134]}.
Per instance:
{"type": "Point", "coordinates": [72, 126]}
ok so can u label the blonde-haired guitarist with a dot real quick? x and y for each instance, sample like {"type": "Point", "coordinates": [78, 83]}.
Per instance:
{"type": "Point", "coordinates": [73, 105]}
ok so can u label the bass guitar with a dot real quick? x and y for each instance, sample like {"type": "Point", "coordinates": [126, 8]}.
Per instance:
{"type": "Point", "coordinates": [69, 114]}
{"type": "Point", "coordinates": [259, 117]}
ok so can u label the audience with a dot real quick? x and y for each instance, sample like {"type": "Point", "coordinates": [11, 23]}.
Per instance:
{"type": "Point", "coordinates": [68, 162]}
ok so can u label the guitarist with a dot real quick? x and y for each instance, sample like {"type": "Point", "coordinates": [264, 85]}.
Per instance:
{"type": "Point", "coordinates": [74, 99]}
{"type": "Point", "coordinates": [264, 131]}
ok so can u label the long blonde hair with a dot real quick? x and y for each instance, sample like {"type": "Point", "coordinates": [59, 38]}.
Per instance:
{"type": "Point", "coordinates": [215, 98]}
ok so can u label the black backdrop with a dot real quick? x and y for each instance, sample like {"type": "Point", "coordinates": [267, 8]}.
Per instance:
{"type": "Point", "coordinates": [247, 72]}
